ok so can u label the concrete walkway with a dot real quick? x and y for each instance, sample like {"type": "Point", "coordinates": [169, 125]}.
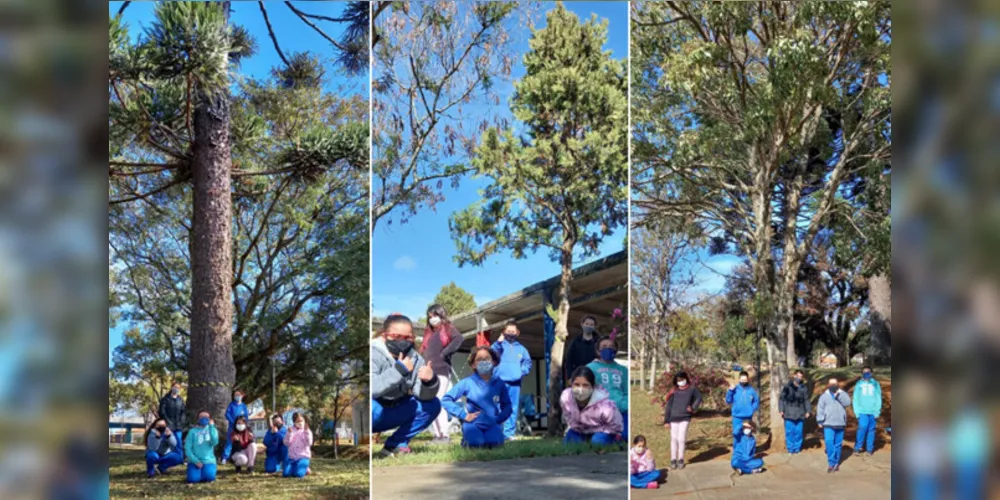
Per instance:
{"type": "Point", "coordinates": [800, 476]}
{"type": "Point", "coordinates": [570, 477]}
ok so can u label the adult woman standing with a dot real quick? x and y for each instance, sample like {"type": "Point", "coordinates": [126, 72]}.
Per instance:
{"type": "Point", "coordinates": [683, 400]}
{"type": "Point", "coordinates": [441, 340]}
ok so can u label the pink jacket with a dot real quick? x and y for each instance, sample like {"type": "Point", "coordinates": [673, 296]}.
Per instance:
{"type": "Point", "coordinates": [641, 463]}
{"type": "Point", "coordinates": [298, 443]}
{"type": "Point", "coordinates": [600, 414]}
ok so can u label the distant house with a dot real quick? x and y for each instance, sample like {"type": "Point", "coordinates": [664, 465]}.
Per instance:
{"type": "Point", "coordinates": [126, 429]}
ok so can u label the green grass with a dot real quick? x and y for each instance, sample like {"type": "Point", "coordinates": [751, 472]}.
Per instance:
{"type": "Point", "coordinates": [344, 478]}
{"type": "Point", "coordinates": [709, 434]}
{"type": "Point", "coordinates": [425, 453]}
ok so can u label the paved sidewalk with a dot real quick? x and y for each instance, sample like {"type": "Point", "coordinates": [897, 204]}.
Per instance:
{"type": "Point", "coordinates": [570, 477]}
{"type": "Point", "coordinates": [800, 476]}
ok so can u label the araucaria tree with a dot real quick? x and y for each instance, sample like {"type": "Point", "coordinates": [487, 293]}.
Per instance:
{"type": "Point", "coordinates": [190, 140]}
{"type": "Point", "coordinates": [750, 119]}
{"type": "Point", "coordinates": [558, 179]}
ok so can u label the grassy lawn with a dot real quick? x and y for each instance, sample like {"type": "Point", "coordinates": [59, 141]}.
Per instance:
{"type": "Point", "coordinates": [709, 432]}
{"type": "Point", "coordinates": [426, 453]}
{"type": "Point", "coordinates": [343, 478]}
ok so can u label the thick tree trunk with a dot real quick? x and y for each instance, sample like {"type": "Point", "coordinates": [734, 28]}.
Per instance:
{"type": "Point", "coordinates": [211, 369]}
{"type": "Point", "coordinates": [880, 317]}
{"type": "Point", "coordinates": [562, 334]}
{"type": "Point", "coordinates": [778, 379]}
{"type": "Point", "coordinates": [652, 372]}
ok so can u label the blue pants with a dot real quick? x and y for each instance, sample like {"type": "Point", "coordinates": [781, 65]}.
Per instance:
{"type": "Point", "coordinates": [409, 418]}
{"type": "Point", "coordinates": [625, 423]}
{"type": "Point", "coordinates": [866, 433]}
{"type": "Point", "coordinates": [970, 480]}
{"type": "Point", "coordinates": [641, 479]}
{"type": "Point", "coordinates": [924, 487]}
{"type": "Point", "coordinates": [272, 463]}
{"type": "Point", "coordinates": [474, 437]}
{"type": "Point", "coordinates": [833, 438]}
{"type": "Point", "coordinates": [596, 439]}
{"type": "Point", "coordinates": [206, 474]}
{"type": "Point", "coordinates": [179, 434]}
{"type": "Point", "coordinates": [747, 466]}
{"type": "Point", "coordinates": [228, 449]}
{"type": "Point", "coordinates": [514, 392]}
{"type": "Point", "coordinates": [737, 428]}
{"type": "Point", "coordinates": [153, 459]}
{"type": "Point", "coordinates": [793, 435]}
{"type": "Point", "coordinates": [295, 468]}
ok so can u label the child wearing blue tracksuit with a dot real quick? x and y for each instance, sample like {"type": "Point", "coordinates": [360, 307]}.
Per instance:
{"type": "Point", "coordinates": [274, 445]}
{"type": "Point", "coordinates": [487, 403]}
{"type": "Point", "coordinates": [744, 449]}
{"type": "Point", "coordinates": [235, 409]}
{"type": "Point", "coordinates": [162, 448]}
{"type": "Point", "coordinates": [867, 403]}
{"type": "Point", "coordinates": [515, 364]}
{"type": "Point", "coordinates": [745, 402]}
{"type": "Point", "coordinates": [831, 416]}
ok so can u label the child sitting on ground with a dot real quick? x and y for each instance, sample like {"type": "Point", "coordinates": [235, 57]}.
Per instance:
{"type": "Point", "coordinates": [643, 465]}
{"type": "Point", "coordinates": [743, 461]}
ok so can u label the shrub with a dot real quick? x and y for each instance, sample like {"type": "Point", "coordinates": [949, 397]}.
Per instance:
{"type": "Point", "coordinates": [711, 382]}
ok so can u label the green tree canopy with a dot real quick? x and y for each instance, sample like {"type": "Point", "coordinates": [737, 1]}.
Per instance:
{"type": "Point", "coordinates": [455, 300]}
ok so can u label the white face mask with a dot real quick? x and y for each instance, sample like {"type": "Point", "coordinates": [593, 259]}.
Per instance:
{"type": "Point", "coordinates": [300, 425]}
{"type": "Point", "coordinates": [582, 393]}
{"type": "Point", "coordinates": [746, 432]}
{"type": "Point", "coordinates": [434, 321]}
{"type": "Point", "coordinates": [640, 450]}
{"type": "Point", "coordinates": [240, 427]}
{"type": "Point", "coordinates": [682, 383]}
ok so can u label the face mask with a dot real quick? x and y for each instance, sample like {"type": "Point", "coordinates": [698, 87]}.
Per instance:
{"type": "Point", "coordinates": [278, 425]}
{"type": "Point", "coordinates": [203, 421]}
{"type": "Point", "coordinates": [682, 383]}
{"type": "Point", "coordinates": [832, 389]}
{"type": "Point", "coordinates": [175, 391]}
{"type": "Point", "coordinates": [300, 425]}
{"type": "Point", "coordinates": [399, 346]}
{"type": "Point", "coordinates": [746, 432]}
{"type": "Point", "coordinates": [161, 428]}
{"type": "Point", "coordinates": [588, 329]}
{"type": "Point", "coordinates": [798, 381]}
{"type": "Point", "coordinates": [239, 399]}
{"type": "Point", "coordinates": [484, 367]}
{"type": "Point", "coordinates": [241, 427]}
{"type": "Point", "coordinates": [867, 375]}
{"type": "Point", "coordinates": [744, 383]}
{"type": "Point", "coordinates": [582, 393]}
{"type": "Point", "coordinates": [640, 449]}
{"type": "Point", "coordinates": [608, 354]}
{"type": "Point", "coordinates": [435, 321]}
{"type": "Point", "coordinates": [510, 336]}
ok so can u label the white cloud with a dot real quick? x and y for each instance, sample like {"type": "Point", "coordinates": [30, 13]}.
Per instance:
{"type": "Point", "coordinates": [404, 263]}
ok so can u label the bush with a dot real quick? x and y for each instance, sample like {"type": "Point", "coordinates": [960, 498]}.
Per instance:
{"type": "Point", "coordinates": [711, 382]}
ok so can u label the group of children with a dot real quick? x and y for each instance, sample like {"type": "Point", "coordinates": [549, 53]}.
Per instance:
{"type": "Point", "coordinates": [405, 388]}
{"type": "Point", "coordinates": [167, 445]}
{"type": "Point", "coordinates": [794, 407]}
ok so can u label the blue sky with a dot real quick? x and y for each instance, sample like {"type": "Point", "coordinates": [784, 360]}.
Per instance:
{"type": "Point", "coordinates": [410, 263]}
{"type": "Point", "coordinates": [293, 36]}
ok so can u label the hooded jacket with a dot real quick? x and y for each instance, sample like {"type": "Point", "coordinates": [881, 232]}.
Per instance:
{"type": "Point", "coordinates": [578, 352]}
{"type": "Point", "coordinates": [392, 383]}
{"type": "Point", "coordinates": [491, 399]}
{"type": "Point", "coordinates": [794, 401]}
{"type": "Point", "coordinates": [613, 378]}
{"type": "Point", "coordinates": [599, 415]}
{"type": "Point", "coordinates": [235, 410]}
{"type": "Point", "coordinates": [242, 440]}
{"type": "Point", "coordinates": [832, 410]}
{"type": "Point", "coordinates": [867, 398]}
{"type": "Point", "coordinates": [172, 410]}
{"type": "Point", "coordinates": [160, 444]}
{"type": "Point", "coordinates": [274, 443]}
{"type": "Point", "coordinates": [744, 400]}
{"type": "Point", "coordinates": [515, 362]}
{"type": "Point", "coordinates": [299, 443]}
{"type": "Point", "coordinates": [199, 444]}
{"type": "Point", "coordinates": [743, 450]}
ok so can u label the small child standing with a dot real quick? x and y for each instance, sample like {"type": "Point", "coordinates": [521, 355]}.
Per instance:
{"type": "Point", "coordinates": [743, 460]}
{"type": "Point", "coordinates": [643, 465]}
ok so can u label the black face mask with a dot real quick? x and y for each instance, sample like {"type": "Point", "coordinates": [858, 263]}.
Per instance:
{"type": "Point", "coordinates": [278, 426]}
{"type": "Point", "coordinates": [744, 384]}
{"type": "Point", "coordinates": [397, 347]}
{"type": "Point", "coordinates": [161, 429]}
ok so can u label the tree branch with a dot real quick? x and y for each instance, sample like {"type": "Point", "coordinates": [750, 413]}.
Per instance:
{"type": "Point", "coordinates": [270, 32]}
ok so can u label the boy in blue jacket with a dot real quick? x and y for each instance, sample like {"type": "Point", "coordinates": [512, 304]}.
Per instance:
{"type": "Point", "coordinates": [745, 402]}
{"type": "Point", "coordinates": [274, 445]}
{"type": "Point", "coordinates": [867, 403]}
{"type": "Point", "coordinates": [487, 404]}
{"type": "Point", "coordinates": [744, 449]}
{"type": "Point", "coordinates": [515, 364]}
{"type": "Point", "coordinates": [235, 409]}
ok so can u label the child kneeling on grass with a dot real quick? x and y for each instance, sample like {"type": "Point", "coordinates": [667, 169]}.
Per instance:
{"type": "Point", "coordinates": [743, 460]}
{"type": "Point", "coordinates": [589, 414]}
{"type": "Point", "coordinates": [162, 452]}
{"type": "Point", "coordinates": [487, 401]}
{"type": "Point", "coordinates": [200, 450]}
{"type": "Point", "coordinates": [643, 465]}
{"type": "Point", "coordinates": [299, 439]}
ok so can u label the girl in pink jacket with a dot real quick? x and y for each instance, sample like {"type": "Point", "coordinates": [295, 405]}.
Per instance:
{"type": "Point", "coordinates": [642, 465]}
{"type": "Point", "coordinates": [299, 439]}
{"type": "Point", "coordinates": [591, 416]}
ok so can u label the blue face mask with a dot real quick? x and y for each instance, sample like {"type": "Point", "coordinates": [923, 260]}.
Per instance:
{"type": "Point", "coordinates": [203, 421]}
{"type": "Point", "coordinates": [608, 353]}
{"type": "Point", "coordinates": [484, 368]}
{"type": "Point", "coordinates": [867, 375]}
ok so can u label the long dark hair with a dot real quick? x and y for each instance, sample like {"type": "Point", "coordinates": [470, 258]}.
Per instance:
{"type": "Point", "coordinates": [145, 436]}
{"type": "Point", "coordinates": [475, 352]}
{"type": "Point", "coordinates": [438, 310]}
{"type": "Point", "coordinates": [296, 415]}
{"type": "Point", "coordinates": [583, 371]}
